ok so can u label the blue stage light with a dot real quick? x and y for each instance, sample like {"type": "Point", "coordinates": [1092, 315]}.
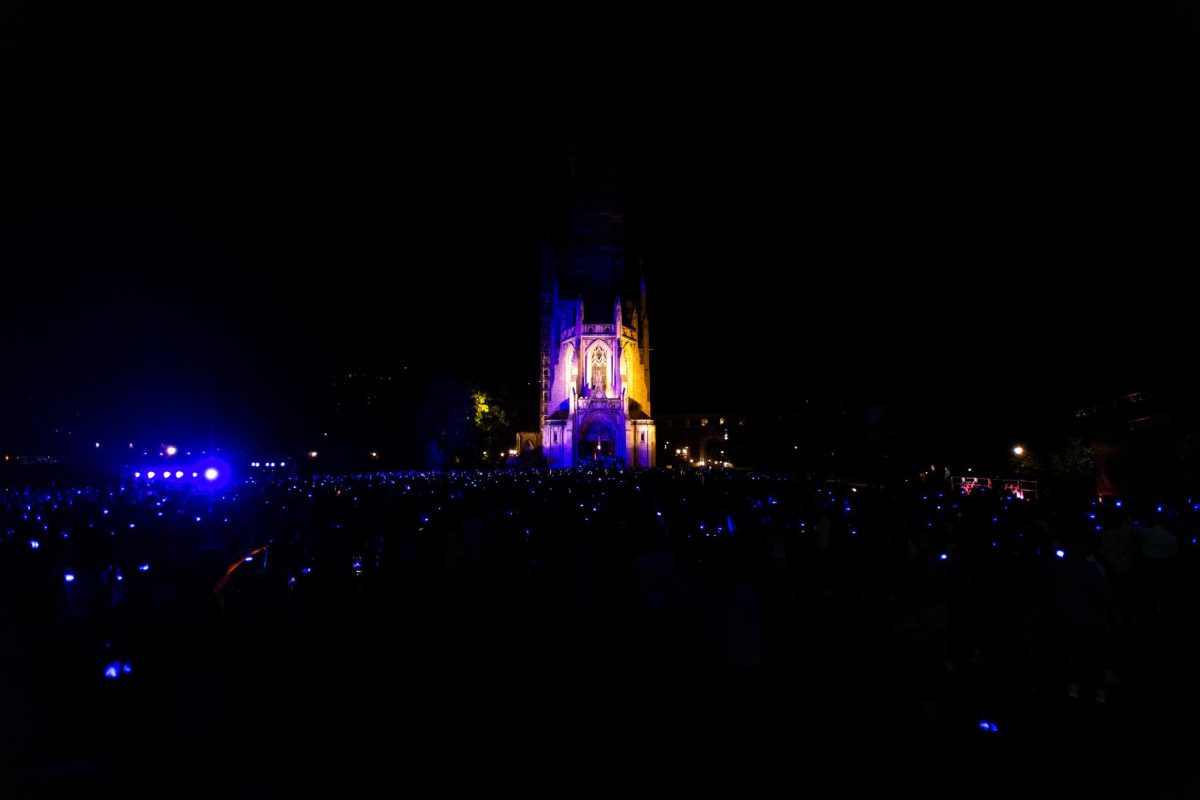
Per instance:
{"type": "Point", "coordinates": [211, 474]}
{"type": "Point", "coordinates": [69, 577]}
{"type": "Point", "coordinates": [150, 474]}
{"type": "Point", "coordinates": [116, 669]}
{"type": "Point", "coordinates": [34, 544]}
{"type": "Point", "coordinates": [1060, 553]}
{"type": "Point", "coordinates": [143, 568]}
{"type": "Point", "coordinates": [179, 473]}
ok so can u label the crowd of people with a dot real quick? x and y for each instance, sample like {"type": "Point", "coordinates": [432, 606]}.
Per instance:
{"type": "Point", "coordinates": [167, 641]}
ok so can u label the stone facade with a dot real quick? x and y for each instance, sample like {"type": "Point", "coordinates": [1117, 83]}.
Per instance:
{"type": "Point", "coordinates": [595, 333]}
{"type": "Point", "coordinates": [597, 386]}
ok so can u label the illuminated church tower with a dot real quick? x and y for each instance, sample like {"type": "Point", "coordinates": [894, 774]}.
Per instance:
{"type": "Point", "coordinates": [595, 350]}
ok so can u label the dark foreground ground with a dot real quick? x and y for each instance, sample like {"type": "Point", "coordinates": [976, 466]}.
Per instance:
{"type": "Point", "coordinates": [847, 710]}
{"type": "Point", "coordinates": [608, 664]}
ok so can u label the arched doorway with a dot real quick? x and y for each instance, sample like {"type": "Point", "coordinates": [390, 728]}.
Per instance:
{"type": "Point", "coordinates": [597, 440]}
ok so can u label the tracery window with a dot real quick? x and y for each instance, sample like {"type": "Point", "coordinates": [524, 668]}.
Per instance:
{"type": "Point", "coordinates": [599, 380]}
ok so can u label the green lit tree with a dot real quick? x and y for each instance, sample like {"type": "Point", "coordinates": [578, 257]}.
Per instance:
{"type": "Point", "coordinates": [492, 426]}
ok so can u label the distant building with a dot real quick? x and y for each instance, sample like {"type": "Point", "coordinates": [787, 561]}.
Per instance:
{"type": "Point", "coordinates": [364, 416]}
{"type": "Point", "coordinates": [1138, 442]}
{"type": "Point", "coordinates": [701, 440]}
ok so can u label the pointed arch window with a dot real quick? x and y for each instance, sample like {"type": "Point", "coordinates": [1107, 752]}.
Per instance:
{"type": "Point", "coordinates": [599, 371]}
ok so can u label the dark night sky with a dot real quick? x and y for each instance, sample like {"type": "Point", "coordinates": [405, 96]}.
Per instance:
{"type": "Point", "coordinates": [207, 206]}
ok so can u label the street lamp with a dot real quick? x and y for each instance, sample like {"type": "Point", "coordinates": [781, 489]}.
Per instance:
{"type": "Point", "coordinates": [1018, 450]}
